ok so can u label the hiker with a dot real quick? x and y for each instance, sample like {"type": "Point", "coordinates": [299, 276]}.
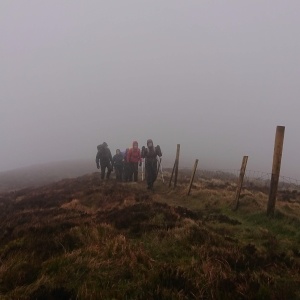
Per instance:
{"type": "Point", "coordinates": [104, 160]}
{"type": "Point", "coordinates": [125, 166]}
{"type": "Point", "coordinates": [134, 160]}
{"type": "Point", "coordinates": [117, 164]}
{"type": "Point", "coordinates": [150, 154]}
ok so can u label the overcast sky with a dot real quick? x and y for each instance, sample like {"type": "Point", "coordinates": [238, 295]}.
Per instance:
{"type": "Point", "coordinates": [215, 76]}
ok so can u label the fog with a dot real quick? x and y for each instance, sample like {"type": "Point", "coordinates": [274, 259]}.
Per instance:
{"type": "Point", "coordinates": [216, 77]}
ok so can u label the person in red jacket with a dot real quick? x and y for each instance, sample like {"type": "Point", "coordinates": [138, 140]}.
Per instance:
{"type": "Point", "coordinates": [134, 160]}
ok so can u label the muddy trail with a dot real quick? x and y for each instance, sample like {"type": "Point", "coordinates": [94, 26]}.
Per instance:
{"type": "Point", "coordinates": [86, 239]}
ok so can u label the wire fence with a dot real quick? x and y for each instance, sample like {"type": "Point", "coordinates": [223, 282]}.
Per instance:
{"type": "Point", "coordinates": [252, 178]}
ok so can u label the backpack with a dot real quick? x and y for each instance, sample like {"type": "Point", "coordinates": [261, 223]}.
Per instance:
{"type": "Point", "coordinates": [102, 152]}
{"type": "Point", "coordinates": [158, 150]}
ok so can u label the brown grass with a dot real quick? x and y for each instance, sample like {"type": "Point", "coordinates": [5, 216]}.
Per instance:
{"type": "Point", "coordinates": [87, 239]}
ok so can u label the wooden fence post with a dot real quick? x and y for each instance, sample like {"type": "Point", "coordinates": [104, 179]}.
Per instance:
{"type": "Point", "coordinates": [240, 182]}
{"type": "Point", "coordinates": [275, 169]}
{"type": "Point", "coordinates": [177, 163]}
{"type": "Point", "coordinates": [172, 173]}
{"type": "Point", "coordinates": [193, 176]}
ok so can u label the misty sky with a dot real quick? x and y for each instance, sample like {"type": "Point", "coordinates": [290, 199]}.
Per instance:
{"type": "Point", "coordinates": [215, 76]}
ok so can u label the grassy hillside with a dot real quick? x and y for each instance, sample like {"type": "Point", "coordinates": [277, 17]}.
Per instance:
{"type": "Point", "coordinates": [86, 239]}
{"type": "Point", "coordinates": [42, 174]}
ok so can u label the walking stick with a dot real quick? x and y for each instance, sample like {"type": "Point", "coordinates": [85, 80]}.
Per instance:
{"type": "Point", "coordinates": [143, 167]}
{"type": "Point", "coordinates": [159, 168]}
{"type": "Point", "coordinates": [162, 174]}
{"type": "Point", "coordinates": [158, 161]}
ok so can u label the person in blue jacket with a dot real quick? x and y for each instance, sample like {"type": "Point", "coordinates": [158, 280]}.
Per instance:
{"type": "Point", "coordinates": [117, 164]}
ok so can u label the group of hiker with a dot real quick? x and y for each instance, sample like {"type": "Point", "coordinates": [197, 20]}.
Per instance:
{"type": "Point", "coordinates": [126, 164]}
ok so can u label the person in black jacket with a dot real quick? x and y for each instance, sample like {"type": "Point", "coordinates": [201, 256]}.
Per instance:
{"type": "Point", "coordinates": [126, 166]}
{"type": "Point", "coordinates": [104, 160]}
{"type": "Point", "coordinates": [117, 164]}
{"type": "Point", "coordinates": [150, 155]}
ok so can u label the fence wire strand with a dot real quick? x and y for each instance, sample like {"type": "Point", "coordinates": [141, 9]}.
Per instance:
{"type": "Point", "coordinates": [251, 178]}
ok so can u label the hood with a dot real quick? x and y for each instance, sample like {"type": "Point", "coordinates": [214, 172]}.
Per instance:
{"type": "Point", "coordinates": [135, 143]}
{"type": "Point", "coordinates": [149, 141]}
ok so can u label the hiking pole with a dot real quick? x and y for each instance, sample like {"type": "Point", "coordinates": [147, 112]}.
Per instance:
{"type": "Point", "coordinates": [159, 166]}
{"type": "Point", "coordinates": [143, 167]}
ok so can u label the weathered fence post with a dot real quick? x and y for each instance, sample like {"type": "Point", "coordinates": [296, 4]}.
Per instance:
{"type": "Point", "coordinates": [175, 167]}
{"type": "Point", "coordinates": [177, 163]}
{"type": "Point", "coordinates": [275, 169]}
{"type": "Point", "coordinates": [240, 182]}
{"type": "Point", "coordinates": [172, 174]}
{"type": "Point", "coordinates": [193, 176]}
